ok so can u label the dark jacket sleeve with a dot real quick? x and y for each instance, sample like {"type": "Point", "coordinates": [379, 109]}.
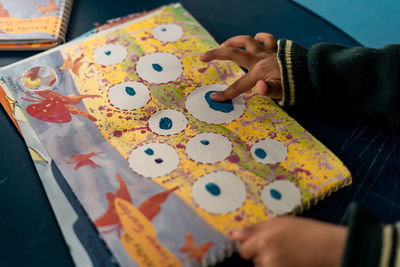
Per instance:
{"type": "Point", "coordinates": [351, 81]}
{"type": "Point", "coordinates": [370, 243]}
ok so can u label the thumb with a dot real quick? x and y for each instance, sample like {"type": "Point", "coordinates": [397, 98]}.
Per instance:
{"type": "Point", "coordinates": [271, 88]}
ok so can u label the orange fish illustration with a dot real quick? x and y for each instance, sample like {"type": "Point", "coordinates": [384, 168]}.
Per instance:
{"type": "Point", "coordinates": [82, 160]}
{"type": "Point", "coordinates": [150, 207]}
{"type": "Point", "coordinates": [53, 107]}
{"type": "Point", "coordinates": [193, 251]}
{"type": "Point", "coordinates": [74, 66]}
{"type": "Point", "coordinates": [111, 217]}
{"type": "Point", "coordinates": [3, 12]}
{"type": "Point", "coordinates": [49, 8]}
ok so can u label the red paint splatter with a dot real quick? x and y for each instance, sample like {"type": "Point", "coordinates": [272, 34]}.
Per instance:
{"type": "Point", "coordinates": [238, 218]}
{"type": "Point", "coordinates": [233, 159]}
{"type": "Point", "coordinates": [302, 170]}
{"type": "Point", "coordinates": [109, 114]}
{"type": "Point", "coordinates": [117, 133]}
{"type": "Point", "coordinates": [289, 136]}
{"type": "Point", "coordinates": [180, 146]}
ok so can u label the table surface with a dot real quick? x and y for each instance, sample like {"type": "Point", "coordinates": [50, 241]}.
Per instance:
{"type": "Point", "coordinates": [28, 229]}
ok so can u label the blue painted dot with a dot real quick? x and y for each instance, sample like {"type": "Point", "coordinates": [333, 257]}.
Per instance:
{"type": "Point", "coordinates": [226, 106]}
{"type": "Point", "coordinates": [157, 67]}
{"type": "Point", "coordinates": [149, 152]}
{"type": "Point", "coordinates": [275, 194]}
{"type": "Point", "coordinates": [130, 91]}
{"type": "Point", "coordinates": [158, 160]}
{"type": "Point", "coordinates": [260, 153]}
{"type": "Point", "coordinates": [213, 189]}
{"type": "Point", "coordinates": [205, 142]}
{"type": "Point", "coordinates": [165, 123]}
{"type": "Point", "coordinates": [163, 29]}
{"type": "Point", "coordinates": [108, 52]}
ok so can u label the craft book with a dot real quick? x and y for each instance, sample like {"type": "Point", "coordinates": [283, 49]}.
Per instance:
{"type": "Point", "coordinates": [162, 170]}
{"type": "Point", "coordinates": [33, 24]}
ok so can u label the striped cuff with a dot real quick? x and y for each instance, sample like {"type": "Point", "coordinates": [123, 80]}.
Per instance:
{"type": "Point", "coordinates": [370, 243]}
{"type": "Point", "coordinates": [294, 73]}
{"type": "Point", "coordinates": [390, 246]}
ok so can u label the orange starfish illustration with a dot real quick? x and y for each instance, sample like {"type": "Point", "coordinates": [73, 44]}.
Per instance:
{"type": "Point", "coordinates": [3, 12]}
{"type": "Point", "coordinates": [82, 160]}
{"type": "Point", "coordinates": [74, 66]}
{"type": "Point", "coordinates": [193, 251]}
{"type": "Point", "coordinates": [49, 8]}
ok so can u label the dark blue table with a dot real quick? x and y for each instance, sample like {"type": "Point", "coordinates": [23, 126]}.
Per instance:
{"type": "Point", "coordinates": [29, 234]}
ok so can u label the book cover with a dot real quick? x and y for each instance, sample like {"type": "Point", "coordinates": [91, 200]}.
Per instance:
{"type": "Point", "coordinates": [163, 171]}
{"type": "Point", "coordinates": [39, 24]}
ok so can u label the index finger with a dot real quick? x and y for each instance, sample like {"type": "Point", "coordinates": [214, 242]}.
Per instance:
{"type": "Point", "coordinates": [240, 57]}
{"type": "Point", "coordinates": [246, 41]}
{"type": "Point", "coordinates": [245, 83]}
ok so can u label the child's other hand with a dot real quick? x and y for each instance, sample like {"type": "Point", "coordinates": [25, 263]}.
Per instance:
{"type": "Point", "coordinates": [259, 59]}
{"type": "Point", "coordinates": [292, 242]}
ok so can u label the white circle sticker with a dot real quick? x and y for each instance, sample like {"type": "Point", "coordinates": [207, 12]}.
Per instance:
{"type": "Point", "coordinates": [168, 32]}
{"type": "Point", "coordinates": [268, 151]}
{"type": "Point", "coordinates": [129, 95]}
{"type": "Point", "coordinates": [281, 197]}
{"type": "Point", "coordinates": [153, 160]}
{"type": "Point", "coordinates": [208, 148]}
{"type": "Point", "coordinates": [110, 54]}
{"type": "Point", "coordinates": [219, 192]}
{"type": "Point", "coordinates": [201, 106]}
{"type": "Point", "coordinates": [159, 67]}
{"type": "Point", "coordinates": [167, 122]}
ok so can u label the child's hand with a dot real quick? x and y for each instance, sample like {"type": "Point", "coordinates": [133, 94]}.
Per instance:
{"type": "Point", "coordinates": [292, 241]}
{"type": "Point", "coordinates": [259, 58]}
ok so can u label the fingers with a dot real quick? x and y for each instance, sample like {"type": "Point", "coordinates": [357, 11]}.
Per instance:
{"type": "Point", "coordinates": [246, 41]}
{"type": "Point", "coordinates": [271, 88]}
{"type": "Point", "coordinates": [240, 57]}
{"type": "Point", "coordinates": [267, 40]}
{"type": "Point", "coordinates": [245, 83]}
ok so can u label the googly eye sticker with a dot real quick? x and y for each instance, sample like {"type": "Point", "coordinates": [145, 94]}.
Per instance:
{"type": "Point", "coordinates": [268, 151]}
{"type": "Point", "coordinates": [201, 106]}
{"type": "Point", "coordinates": [159, 67]}
{"type": "Point", "coordinates": [168, 32]}
{"type": "Point", "coordinates": [208, 148]}
{"type": "Point", "coordinates": [167, 122]}
{"type": "Point", "coordinates": [281, 197]}
{"type": "Point", "coordinates": [153, 160]}
{"type": "Point", "coordinates": [129, 95]}
{"type": "Point", "coordinates": [219, 192]}
{"type": "Point", "coordinates": [110, 54]}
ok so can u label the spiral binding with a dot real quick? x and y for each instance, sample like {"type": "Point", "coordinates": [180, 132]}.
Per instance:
{"type": "Point", "coordinates": [218, 256]}
{"type": "Point", "coordinates": [62, 26]}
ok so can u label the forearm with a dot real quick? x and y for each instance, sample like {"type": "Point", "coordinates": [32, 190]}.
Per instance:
{"type": "Point", "coordinates": [358, 81]}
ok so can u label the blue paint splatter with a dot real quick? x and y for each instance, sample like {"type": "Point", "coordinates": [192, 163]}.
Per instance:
{"type": "Point", "coordinates": [149, 152]}
{"type": "Point", "coordinates": [205, 142]}
{"type": "Point", "coordinates": [260, 153]}
{"type": "Point", "coordinates": [226, 106]}
{"type": "Point", "coordinates": [130, 91]}
{"type": "Point", "coordinates": [165, 123]}
{"type": "Point", "coordinates": [213, 189]}
{"type": "Point", "coordinates": [157, 67]}
{"type": "Point", "coordinates": [275, 194]}
{"type": "Point", "coordinates": [163, 29]}
{"type": "Point", "coordinates": [108, 52]}
{"type": "Point", "coordinates": [158, 160]}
